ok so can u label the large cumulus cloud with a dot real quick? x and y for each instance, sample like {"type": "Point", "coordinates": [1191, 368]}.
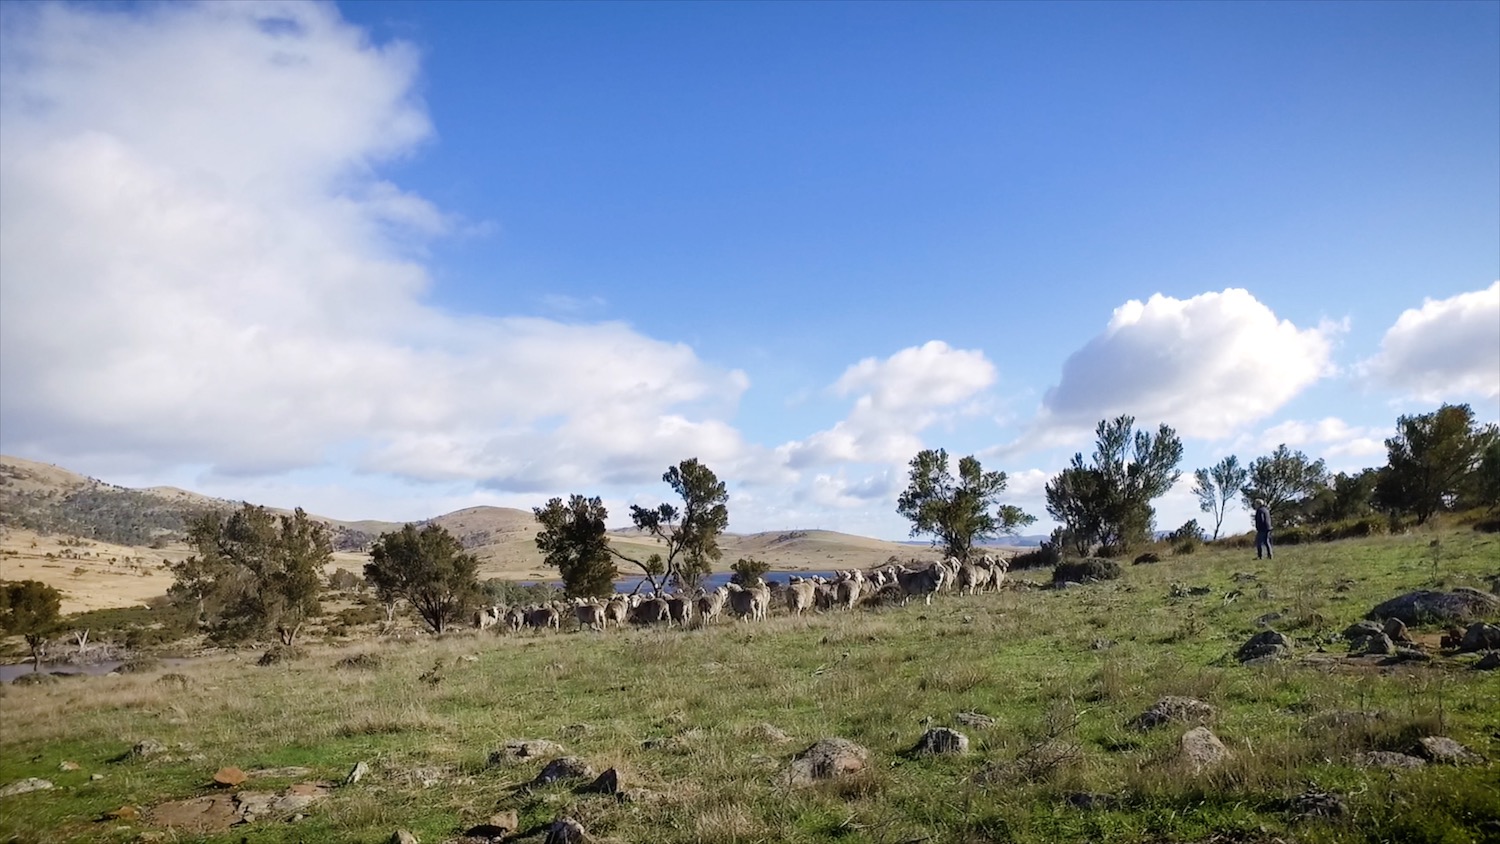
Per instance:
{"type": "Point", "coordinates": [202, 265]}
{"type": "Point", "coordinates": [1205, 365]}
{"type": "Point", "coordinates": [1446, 350]}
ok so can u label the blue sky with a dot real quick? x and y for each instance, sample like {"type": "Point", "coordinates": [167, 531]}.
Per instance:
{"type": "Point", "coordinates": [386, 260]}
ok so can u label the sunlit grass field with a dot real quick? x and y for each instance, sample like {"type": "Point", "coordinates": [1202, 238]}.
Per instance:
{"type": "Point", "coordinates": [683, 714]}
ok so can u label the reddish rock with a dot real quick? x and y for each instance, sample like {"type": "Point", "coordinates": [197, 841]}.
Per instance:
{"type": "Point", "coordinates": [229, 777]}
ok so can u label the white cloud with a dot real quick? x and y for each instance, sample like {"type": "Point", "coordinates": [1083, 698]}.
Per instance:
{"type": "Point", "coordinates": [1448, 349]}
{"type": "Point", "coordinates": [896, 399]}
{"type": "Point", "coordinates": [1206, 366]}
{"type": "Point", "coordinates": [201, 267]}
{"type": "Point", "coordinates": [1330, 438]}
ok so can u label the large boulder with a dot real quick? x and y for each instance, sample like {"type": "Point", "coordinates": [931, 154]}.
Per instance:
{"type": "Point", "coordinates": [1461, 606]}
{"type": "Point", "coordinates": [1201, 749]}
{"type": "Point", "coordinates": [1370, 637]}
{"type": "Point", "coordinates": [1265, 646]}
{"type": "Point", "coordinates": [1480, 637]}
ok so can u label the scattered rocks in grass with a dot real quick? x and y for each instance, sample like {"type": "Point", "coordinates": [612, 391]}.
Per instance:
{"type": "Point", "coordinates": [256, 804]}
{"type": "Point", "coordinates": [229, 777]}
{"type": "Point", "coordinates": [68, 766]}
{"type": "Point", "coordinates": [825, 759]}
{"type": "Point", "coordinates": [526, 749]}
{"type": "Point", "coordinates": [1368, 637]}
{"type": "Point", "coordinates": [1086, 570]}
{"type": "Point", "coordinates": [1480, 637]}
{"type": "Point", "coordinates": [1320, 804]}
{"type": "Point", "coordinates": [357, 773]}
{"type": "Point", "coordinates": [942, 740]}
{"type": "Point", "coordinates": [1406, 655]}
{"type": "Point", "coordinates": [1444, 750]}
{"type": "Point", "coordinates": [1201, 749]}
{"type": "Point", "coordinates": [1460, 606]}
{"type": "Point", "coordinates": [566, 831]}
{"type": "Point", "coordinates": [401, 836]}
{"type": "Point", "coordinates": [977, 720]}
{"type": "Point", "coordinates": [1172, 708]}
{"type": "Point", "coordinates": [287, 772]}
{"type": "Point", "coordinates": [25, 786]}
{"type": "Point", "coordinates": [1489, 662]}
{"type": "Point", "coordinates": [563, 768]}
{"type": "Point", "coordinates": [1388, 759]}
{"type": "Point", "coordinates": [1265, 646]}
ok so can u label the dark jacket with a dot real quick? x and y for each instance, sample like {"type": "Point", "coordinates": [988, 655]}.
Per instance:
{"type": "Point", "coordinates": [1262, 520]}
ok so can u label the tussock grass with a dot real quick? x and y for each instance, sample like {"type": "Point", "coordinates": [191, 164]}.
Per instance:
{"type": "Point", "coordinates": [683, 714]}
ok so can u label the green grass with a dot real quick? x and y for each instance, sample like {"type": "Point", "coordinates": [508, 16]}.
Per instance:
{"type": "Point", "coordinates": [678, 713]}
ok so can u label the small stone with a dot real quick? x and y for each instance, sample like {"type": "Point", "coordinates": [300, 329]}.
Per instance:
{"type": "Point", "coordinates": [401, 836]}
{"type": "Point", "coordinates": [68, 766]}
{"type": "Point", "coordinates": [508, 820]}
{"type": "Point", "coordinates": [1172, 708]}
{"type": "Point", "coordinates": [942, 740]}
{"type": "Point", "coordinates": [1444, 750]}
{"type": "Point", "coordinates": [1387, 759]}
{"type": "Point", "coordinates": [826, 759]}
{"type": "Point", "coordinates": [357, 773]}
{"type": "Point", "coordinates": [147, 748]}
{"type": "Point", "coordinates": [566, 831]}
{"type": "Point", "coordinates": [564, 768]}
{"type": "Point", "coordinates": [525, 749]}
{"type": "Point", "coordinates": [1202, 749]}
{"type": "Point", "coordinates": [769, 732]}
{"type": "Point", "coordinates": [96, 777]}
{"type": "Point", "coordinates": [124, 813]}
{"type": "Point", "coordinates": [1489, 662]}
{"type": "Point", "coordinates": [1088, 800]}
{"type": "Point", "coordinates": [976, 720]}
{"type": "Point", "coordinates": [1266, 645]}
{"type": "Point", "coordinates": [229, 777]}
{"type": "Point", "coordinates": [1319, 804]}
{"type": "Point", "coordinates": [607, 783]}
{"type": "Point", "coordinates": [27, 785]}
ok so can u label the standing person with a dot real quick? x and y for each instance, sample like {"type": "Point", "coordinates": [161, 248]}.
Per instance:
{"type": "Point", "coordinates": [1262, 529]}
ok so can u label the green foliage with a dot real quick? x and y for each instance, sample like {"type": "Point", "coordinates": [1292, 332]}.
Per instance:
{"type": "Point", "coordinates": [344, 580]}
{"type": "Point", "coordinates": [747, 570]}
{"type": "Point", "coordinates": [1108, 502]}
{"type": "Point", "coordinates": [1345, 497]}
{"type": "Point", "coordinates": [1436, 460]}
{"type": "Point", "coordinates": [957, 512]}
{"type": "Point", "coordinates": [105, 513]}
{"type": "Point", "coordinates": [513, 593]}
{"type": "Point", "coordinates": [1216, 486]}
{"type": "Point", "coordinates": [427, 568]}
{"type": "Point", "coordinates": [573, 541]}
{"type": "Point", "coordinates": [253, 572]}
{"type": "Point", "coordinates": [29, 608]}
{"type": "Point", "coordinates": [691, 533]}
{"type": "Point", "coordinates": [1283, 479]}
{"type": "Point", "coordinates": [1186, 539]}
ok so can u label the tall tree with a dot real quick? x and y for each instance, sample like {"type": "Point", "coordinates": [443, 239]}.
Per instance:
{"type": "Point", "coordinates": [29, 608]}
{"type": "Point", "coordinates": [1347, 496]}
{"type": "Point", "coordinates": [1216, 486]}
{"type": "Point", "coordinates": [573, 541]}
{"type": "Point", "coordinates": [1109, 500]}
{"type": "Point", "coordinates": [1433, 459]}
{"type": "Point", "coordinates": [428, 568]}
{"type": "Point", "coordinates": [254, 572]}
{"type": "Point", "coordinates": [690, 533]}
{"type": "Point", "coordinates": [957, 512]}
{"type": "Point", "coordinates": [1283, 479]}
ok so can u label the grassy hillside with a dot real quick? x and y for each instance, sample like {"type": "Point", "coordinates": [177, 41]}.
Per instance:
{"type": "Point", "coordinates": [696, 719]}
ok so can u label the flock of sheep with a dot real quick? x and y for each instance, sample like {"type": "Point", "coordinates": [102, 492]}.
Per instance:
{"type": "Point", "coordinates": [754, 602]}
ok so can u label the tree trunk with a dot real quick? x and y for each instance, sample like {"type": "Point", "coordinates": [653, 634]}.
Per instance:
{"type": "Point", "coordinates": [82, 639]}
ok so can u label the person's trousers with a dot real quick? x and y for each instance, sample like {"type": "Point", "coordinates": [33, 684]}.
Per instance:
{"type": "Point", "coordinates": [1262, 543]}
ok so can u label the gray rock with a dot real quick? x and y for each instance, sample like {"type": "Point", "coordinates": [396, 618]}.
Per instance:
{"type": "Point", "coordinates": [1265, 645]}
{"type": "Point", "coordinates": [1462, 605]}
{"type": "Point", "coordinates": [1444, 750]}
{"type": "Point", "coordinates": [566, 831]}
{"type": "Point", "coordinates": [1318, 804]}
{"type": "Point", "coordinates": [1387, 759]}
{"type": "Point", "coordinates": [357, 773]}
{"type": "Point", "coordinates": [826, 759]}
{"type": "Point", "coordinates": [525, 749]}
{"type": "Point", "coordinates": [607, 783]}
{"type": "Point", "coordinates": [1265, 620]}
{"type": "Point", "coordinates": [1480, 637]}
{"type": "Point", "coordinates": [401, 836]}
{"type": "Point", "coordinates": [1395, 628]}
{"type": "Point", "coordinates": [1088, 800]}
{"type": "Point", "coordinates": [977, 720]}
{"type": "Point", "coordinates": [769, 732]}
{"type": "Point", "coordinates": [24, 786]}
{"type": "Point", "coordinates": [147, 748]}
{"type": "Point", "coordinates": [563, 768]}
{"type": "Point", "coordinates": [1490, 662]}
{"type": "Point", "coordinates": [941, 740]}
{"type": "Point", "coordinates": [1172, 708]}
{"type": "Point", "coordinates": [1201, 749]}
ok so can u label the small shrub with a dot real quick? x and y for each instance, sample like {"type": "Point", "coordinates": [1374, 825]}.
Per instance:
{"type": "Point", "coordinates": [365, 660]}
{"type": "Point", "coordinates": [279, 654]}
{"type": "Point", "coordinates": [1147, 557]}
{"type": "Point", "coordinates": [1488, 525]}
{"type": "Point", "coordinates": [140, 665]}
{"type": "Point", "coordinates": [747, 569]}
{"type": "Point", "coordinates": [1089, 568]}
{"type": "Point", "coordinates": [1046, 555]}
